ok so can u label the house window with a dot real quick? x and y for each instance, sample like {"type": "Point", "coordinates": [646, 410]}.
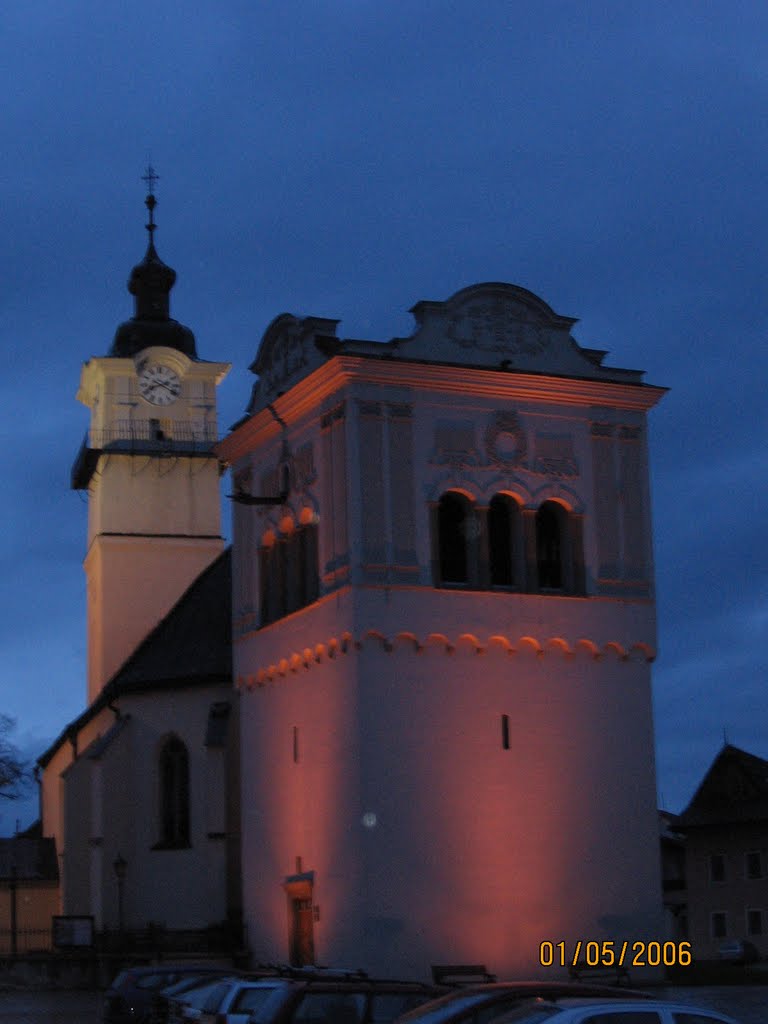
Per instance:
{"type": "Point", "coordinates": [502, 528]}
{"type": "Point", "coordinates": [754, 922]}
{"type": "Point", "coordinates": [174, 793]}
{"type": "Point", "coordinates": [718, 924]}
{"type": "Point", "coordinates": [550, 546]}
{"type": "Point", "coordinates": [453, 519]}
{"type": "Point", "coordinates": [716, 867]}
{"type": "Point", "coordinates": [753, 864]}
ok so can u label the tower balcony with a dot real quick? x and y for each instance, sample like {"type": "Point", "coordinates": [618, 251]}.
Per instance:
{"type": "Point", "coordinates": [159, 438]}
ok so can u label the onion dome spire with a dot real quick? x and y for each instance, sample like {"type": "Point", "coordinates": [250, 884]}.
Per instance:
{"type": "Point", "coordinates": [150, 283]}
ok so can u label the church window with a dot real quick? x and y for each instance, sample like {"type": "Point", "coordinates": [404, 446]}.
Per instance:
{"type": "Point", "coordinates": [550, 546]}
{"type": "Point", "coordinates": [288, 573]}
{"type": "Point", "coordinates": [174, 793]}
{"type": "Point", "coordinates": [453, 533]}
{"type": "Point", "coordinates": [503, 515]}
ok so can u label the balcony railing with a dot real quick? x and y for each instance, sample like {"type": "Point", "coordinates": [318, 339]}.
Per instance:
{"type": "Point", "coordinates": [158, 437]}
{"type": "Point", "coordinates": [160, 432]}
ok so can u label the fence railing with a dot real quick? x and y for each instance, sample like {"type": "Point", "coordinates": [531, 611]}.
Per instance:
{"type": "Point", "coordinates": [28, 940]}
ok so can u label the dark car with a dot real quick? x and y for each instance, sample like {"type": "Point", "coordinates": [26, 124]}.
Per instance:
{"type": "Point", "coordinates": [346, 999]}
{"type": "Point", "coordinates": [739, 951]}
{"type": "Point", "coordinates": [477, 1004]}
{"type": "Point", "coordinates": [128, 1000]}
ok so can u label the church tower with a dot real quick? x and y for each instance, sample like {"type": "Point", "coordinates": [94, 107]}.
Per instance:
{"type": "Point", "coordinates": [444, 625]}
{"type": "Point", "coordinates": [149, 467]}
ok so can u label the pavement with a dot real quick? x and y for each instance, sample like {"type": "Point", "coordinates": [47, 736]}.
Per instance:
{"type": "Point", "coordinates": [50, 1007]}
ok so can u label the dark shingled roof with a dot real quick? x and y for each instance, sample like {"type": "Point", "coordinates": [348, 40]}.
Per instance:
{"type": "Point", "coordinates": [193, 641]}
{"type": "Point", "coordinates": [33, 859]}
{"type": "Point", "coordinates": [734, 790]}
{"type": "Point", "coordinates": [191, 646]}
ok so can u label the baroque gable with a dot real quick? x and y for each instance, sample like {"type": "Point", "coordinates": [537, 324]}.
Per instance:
{"type": "Point", "coordinates": [502, 326]}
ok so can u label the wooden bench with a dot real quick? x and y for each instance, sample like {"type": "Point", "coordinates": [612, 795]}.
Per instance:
{"type": "Point", "coordinates": [461, 974]}
{"type": "Point", "coordinates": [614, 975]}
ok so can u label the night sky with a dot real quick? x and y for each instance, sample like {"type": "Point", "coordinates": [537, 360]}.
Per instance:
{"type": "Point", "coordinates": [346, 158]}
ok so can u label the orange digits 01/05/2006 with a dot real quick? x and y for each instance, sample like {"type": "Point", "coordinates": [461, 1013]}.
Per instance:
{"type": "Point", "coordinates": [614, 953]}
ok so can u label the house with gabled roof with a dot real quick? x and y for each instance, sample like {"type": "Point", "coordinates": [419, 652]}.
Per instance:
{"type": "Point", "coordinates": [726, 841]}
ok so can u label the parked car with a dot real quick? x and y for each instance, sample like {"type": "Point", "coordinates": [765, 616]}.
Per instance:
{"type": "Point", "coordinates": [481, 1003]}
{"type": "Point", "coordinates": [128, 1000]}
{"type": "Point", "coordinates": [349, 998]}
{"type": "Point", "coordinates": [608, 1011]}
{"type": "Point", "coordinates": [161, 1000]}
{"type": "Point", "coordinates": [188, 1005]}
{"type": "Point", "coordinates": [739, 951]}
{"type": "Point", "coordinates": [234, 1000]}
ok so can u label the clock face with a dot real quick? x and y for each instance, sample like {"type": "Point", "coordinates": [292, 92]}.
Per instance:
{"type": "Point", "coordinates": [159, 385]}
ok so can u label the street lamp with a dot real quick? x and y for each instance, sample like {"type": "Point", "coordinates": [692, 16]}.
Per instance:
{"type": "Point", "coordinates": [121, 866]}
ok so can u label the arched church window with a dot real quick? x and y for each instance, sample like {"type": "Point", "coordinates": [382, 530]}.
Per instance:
{"type": "Point", "coordinates": [288, 568]}
{"type": "Point", "coordinates": [453, 532]}
{"type": "Point", "coordinates": [550, 545]}
{"type": "Point", "coordinates": [174, 793]}
{"type": "Point", "coordinates": [503, 516]}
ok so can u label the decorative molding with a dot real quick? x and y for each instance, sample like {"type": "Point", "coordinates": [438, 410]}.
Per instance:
{"type": "Point", "coordinates": [454, 445]}
{"type": "Point", "coordinates": [331, 417]}
{"type": "Point", "coordinates": [409, 642]}
{"type": "Point", "coordinates": [602, 429]}
{"type": "Point", "coordinates": [555, 457]}
{"type": "Point", "coordinates": [499, 324]}
{"type": "Point", "coordinates": [369, 408]}
{"type": "Point", "coordinates": [505, 442]}
{"type": "Point", "coordinates": [400, 410]}
{"type": "Point", "coordinates": [498, 385]}
{"type": "Point", "coordinates": [627, 433]}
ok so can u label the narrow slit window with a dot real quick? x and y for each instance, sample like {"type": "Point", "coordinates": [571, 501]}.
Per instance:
{"type": "Point", "coordinates": [505, 732]}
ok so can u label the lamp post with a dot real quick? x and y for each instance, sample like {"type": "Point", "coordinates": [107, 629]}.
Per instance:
{"type": "Point", "coordinates": [121, 866]}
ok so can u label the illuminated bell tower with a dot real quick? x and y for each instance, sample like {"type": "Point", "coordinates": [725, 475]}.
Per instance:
{"type": "Point", "coordinates": [149, 467]}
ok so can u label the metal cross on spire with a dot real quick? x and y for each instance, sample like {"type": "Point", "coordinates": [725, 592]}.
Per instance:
{"type": "Point", "coordinates": [150, 202]}
{"type": "Point", "coordinates": [150, 177]}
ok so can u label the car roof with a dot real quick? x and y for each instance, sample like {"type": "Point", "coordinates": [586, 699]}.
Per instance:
{"type": "Point", "coordinates": [614, 1005]}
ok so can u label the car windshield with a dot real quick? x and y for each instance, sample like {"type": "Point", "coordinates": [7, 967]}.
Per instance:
{"type": "Point", "coordinates": [196, 997]}
{"type": "Point", "coordinates": [530, 1013]}
{"type": "Point", "coordinates": [191, 982]}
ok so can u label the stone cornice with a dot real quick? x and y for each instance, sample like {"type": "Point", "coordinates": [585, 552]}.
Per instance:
{"type": "Point", "coordinates": [342, 370]}
{"type": "Point", "coordinates": [497, 645]}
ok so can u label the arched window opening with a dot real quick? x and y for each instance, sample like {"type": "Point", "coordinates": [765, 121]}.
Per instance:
{"type": "Point", "coordinates": [550, 546]}
{"type": "Point", "coordinates": [289, 574]}
{"type": "Point", "coordinates": [502, 523]}
{"type": "Point", "coordinates": [174, 793]}
{"type": "Point", "coordinates": [452, 530]}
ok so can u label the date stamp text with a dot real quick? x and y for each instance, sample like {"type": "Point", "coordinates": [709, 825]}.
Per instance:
{"type": "Point", "coordinates": [611, 953]}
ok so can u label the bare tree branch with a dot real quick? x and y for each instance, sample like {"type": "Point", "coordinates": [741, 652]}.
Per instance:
{"type": "Point", "coordinates": [15, 773]}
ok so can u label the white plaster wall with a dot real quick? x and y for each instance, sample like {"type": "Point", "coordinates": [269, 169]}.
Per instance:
{"type": "Point", "coordinates": [480, 853]}
{"type": "Point", "coordinates": [157, 496]}
{"type": "Point", "coordinates": [159, 569]}
{"type": "Point", "coordinates": [180, 888]}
